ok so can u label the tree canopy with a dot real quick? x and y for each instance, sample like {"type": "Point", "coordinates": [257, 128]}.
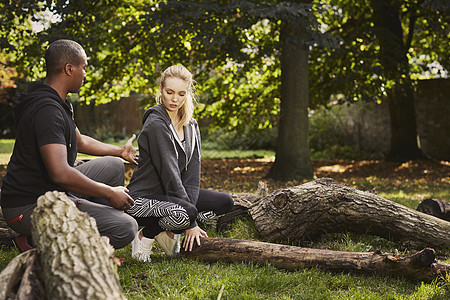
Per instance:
{"type": "Point", "coordinates": [353, 71]}
{"type": "Point", "coordinates": [385, 47]}
{"type": "Point", "coordinates": [234, 50]}
{"type": "Point", "coordinates": [231, 46]}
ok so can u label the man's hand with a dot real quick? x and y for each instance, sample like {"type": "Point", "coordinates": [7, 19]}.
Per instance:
{"type": "Point", "coordinates": [120, 199]}
{"type": "Point", "coordinates": [191, 235]}
{"type": "Point", "coordinates": [129, 152]}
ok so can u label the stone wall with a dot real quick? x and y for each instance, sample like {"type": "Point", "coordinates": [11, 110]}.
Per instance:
{"type": "Point", "coordinates": [432, 102]}
{"type": "Point", "coordinates": [369, 122]}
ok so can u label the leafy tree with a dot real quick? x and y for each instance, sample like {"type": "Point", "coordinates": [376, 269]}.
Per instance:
{"type": "Point", "coordinates": [234, 47]}
{"type": "Point", "coordinates": [386, 45]}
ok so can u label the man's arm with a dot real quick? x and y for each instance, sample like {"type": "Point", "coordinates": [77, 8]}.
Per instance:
{"type": "Point", "coordinates": [91, 146]}
{"type": "Point", "coordinates": [55, 160]}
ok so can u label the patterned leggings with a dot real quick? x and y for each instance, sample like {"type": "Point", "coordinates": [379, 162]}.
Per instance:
{"type": "Point", "coordinates": [166, 213]}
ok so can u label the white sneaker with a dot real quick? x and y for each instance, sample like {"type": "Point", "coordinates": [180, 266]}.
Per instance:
{"type": "Point", "coordinates": [177, 238]}
{"type": "Point", "coordinates": [170, 246]}
{"type": "Point", "coordinates": [141, 248]}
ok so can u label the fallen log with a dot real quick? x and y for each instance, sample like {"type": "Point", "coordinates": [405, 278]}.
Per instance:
{"type": "Point", "coordinates": [19, 281]}
{"type": "Point", "coordinates": [421, 265]}
{"type": "Point", "coordinates": [307, 211]}
{"type": "Point", "coordinates": [7, 235]}
{"type": "Point", "coordinates": [435, 207]}
{"type": "Point", "coordinates": [240, 210]}
{"type": "Point", "coordinates": [73, 260]}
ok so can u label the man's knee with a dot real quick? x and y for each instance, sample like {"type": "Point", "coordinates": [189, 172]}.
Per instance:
{"type": "Point", "coordinates": [115, 163]}
{"type": "Point", "coordinates": [125, 234]}
{"type": "Point", "coordinates": [116, 170]}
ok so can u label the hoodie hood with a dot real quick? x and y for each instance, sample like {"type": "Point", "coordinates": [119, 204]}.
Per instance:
{"type": "Point", "coordinates": [159, 111]}
{"type": "Point", "coordinates": [37, 95]}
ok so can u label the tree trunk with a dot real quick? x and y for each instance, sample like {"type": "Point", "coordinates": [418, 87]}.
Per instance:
{"type": "Point", "coordinates": [419, 266]}
{"type": "Point", "coordinates": [393, 57]}
{"type": "Point", "coordinates": [311, 209]}
{"type": "Point", "coordinates": [292, 159]}
{"type": "Point", "coordinates": [74, 262]}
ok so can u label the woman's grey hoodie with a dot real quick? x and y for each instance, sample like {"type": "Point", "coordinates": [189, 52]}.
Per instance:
{"type": "Point", "coordinates": [164, 166]}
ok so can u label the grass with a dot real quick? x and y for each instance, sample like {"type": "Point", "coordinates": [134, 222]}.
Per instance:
{"type": "Point", "coordinates": [183, 278]}
{"type": "Point", "coordinates": [7, 145]}
{"type": "Point", "coordinates": [6, 148]}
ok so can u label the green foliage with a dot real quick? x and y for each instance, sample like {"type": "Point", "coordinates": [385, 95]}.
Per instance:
{"type": "Point", "coordinates": [354, 70]}
{"type": "Point", "coordinates": [232, 47]}
{"type": "Point", "coordinates": [248, 139]}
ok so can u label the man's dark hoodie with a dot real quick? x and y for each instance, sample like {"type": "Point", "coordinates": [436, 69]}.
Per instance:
{"type": "Point", "coordinates": [42, 118]}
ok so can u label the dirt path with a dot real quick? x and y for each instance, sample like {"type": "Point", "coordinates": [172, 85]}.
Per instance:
{"type": "Point", "coordinates": [243, 174]}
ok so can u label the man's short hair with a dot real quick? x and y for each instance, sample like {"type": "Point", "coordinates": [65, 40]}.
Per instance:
{"type": "Point", "coordinates": [62, 52]}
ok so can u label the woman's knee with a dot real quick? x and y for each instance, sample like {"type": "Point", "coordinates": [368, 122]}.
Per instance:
{"type": "Point", "coordinates": [226, 203]}
{"type": "Point", "coordinates": [192, 213]}
{"type": "Point", "coordinates": [229, 202]}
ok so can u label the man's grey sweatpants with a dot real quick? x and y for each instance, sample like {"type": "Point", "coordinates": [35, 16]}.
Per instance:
{"type": "Point", "coordinates": [118, 226]}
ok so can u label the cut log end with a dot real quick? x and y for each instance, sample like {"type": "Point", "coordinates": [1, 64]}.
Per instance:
{"type": "Point", "coordinates": [70, 258]}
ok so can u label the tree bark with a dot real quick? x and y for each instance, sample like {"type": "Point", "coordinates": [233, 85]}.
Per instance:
{"type": "Point", "coordinates": [324, 206]}
{"type": "Point", "coordinates": [7, 235]}
{"type": "Point", "coordinates": [19, 278]}
{"type": "Point", "coordinates": [419, 266]}
{"type": "Point", "coordinates": [30, 286]}
{"type": "Point", "coordinates": [292, 160]}
{"type": "Point", "coordinates": [240, 210]}
{"type": "Point", "coordinates": [73, 260]}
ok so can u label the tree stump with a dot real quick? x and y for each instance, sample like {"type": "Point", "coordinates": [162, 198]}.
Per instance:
{"type": "Point", "coordinates": [73, 260]}
{"type": "Point", "coordinates": [419, 266]}
{"type": "Point", "coordinates": [323, 206]}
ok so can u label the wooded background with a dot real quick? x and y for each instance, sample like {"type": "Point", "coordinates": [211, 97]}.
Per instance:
{"type": "Point", "coordinates": [261, 65]}
{"type": "Point", "coordinates": [366, 123]}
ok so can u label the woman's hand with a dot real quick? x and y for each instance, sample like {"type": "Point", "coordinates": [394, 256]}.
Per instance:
{"type": "Point", "coordinates": [191, 235]}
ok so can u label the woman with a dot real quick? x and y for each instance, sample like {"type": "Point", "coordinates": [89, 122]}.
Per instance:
{"type": "Point", "coordinates": [166, 182]}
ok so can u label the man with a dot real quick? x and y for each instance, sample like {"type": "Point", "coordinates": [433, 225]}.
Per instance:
{"type": "Point", "coordinates": [47, 142]}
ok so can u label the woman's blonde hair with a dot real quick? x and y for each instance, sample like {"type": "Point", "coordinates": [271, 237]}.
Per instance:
{"type": "Point", "coordinates": [181, 72]}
